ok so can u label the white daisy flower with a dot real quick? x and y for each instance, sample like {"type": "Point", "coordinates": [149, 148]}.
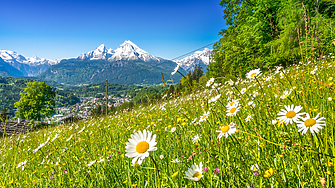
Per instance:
{"type": "Point", "coordinates": [251, 104]}
{"type": "Point", "coordinates": [313, 124]}
{"type": "Point", "coordinates": [285, 94]}
{"type": "Point", "coordinates": [253, 73]}
{"type": "Point", "coordinates": [233, 103]}
{"type": "Point", "coordinates": [139, 146]}
{"type": "Point", "coordinates": [243, 90]}
{"type": "Point", "coordinates": [175, 69]}
{"type": "Point", "coordinates": [194, 173]}
{"type": "Point", "coordinates": [255, 94]}
{"type": "Point", "coordinates": [161, 157]}
{"type": "Point", "coordinates": [214, 99]}
{"type": "Point", "coordinates": [196, 138]}
{"type": "Point", "coordinates": [210, 82]}
{"type": "Point", "coordinates": [232, 110]}
{"type": "Point", "coordinates": [274, 122]}
{"type": "Point", "coordinates": [254, 167]}
{"type": "Point", "coordinates": [204, 117]}
{"type": "Point", "coordinates": [227, 130]}
{"type": "Point", "coordinates": [231, 82]}
{"type": "Point", "coordinates": [248, 118]}
{"type": "Point", "coordinates": [175, 160]}
{"type": "Point", "coordinates": [173, 129]}
{"type": "Point", "coordinates": [215, 85]}
{"type": "Point", "coordinates": [290, 114]}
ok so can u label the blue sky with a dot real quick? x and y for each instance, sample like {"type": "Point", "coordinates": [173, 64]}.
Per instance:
{"type": "Point", "coordinates": [65, 29]}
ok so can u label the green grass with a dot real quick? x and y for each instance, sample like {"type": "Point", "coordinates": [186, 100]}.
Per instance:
{"type": "Point", "coordinates": [297, 160]}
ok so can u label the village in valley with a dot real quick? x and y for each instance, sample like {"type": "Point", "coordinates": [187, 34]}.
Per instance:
{"type": "Point", "coordinates": [85, 108]}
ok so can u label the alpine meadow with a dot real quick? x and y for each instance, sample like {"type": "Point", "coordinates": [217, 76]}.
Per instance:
{"type": "Point", "coordinates": [260, 115]}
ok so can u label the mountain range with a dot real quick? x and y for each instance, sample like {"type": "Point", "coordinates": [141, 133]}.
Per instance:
{"type": "Point", "coordinates": [128, 64]}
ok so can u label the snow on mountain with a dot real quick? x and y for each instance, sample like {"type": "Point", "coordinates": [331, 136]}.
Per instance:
{"type": "Point", "coordinates": [13, 58]}
{"type": "Point", "coordinates": [127, 51]}
{"type": "Point", "coordinates": [199, 57]}
{"type": "Point", "coordinates": [28, 66]}
{"type": "Point", "coordinates": [99, 53]}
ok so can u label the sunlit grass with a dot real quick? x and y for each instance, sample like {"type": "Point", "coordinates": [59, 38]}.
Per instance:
{"type": "Point", "coordinates": [92, 153]}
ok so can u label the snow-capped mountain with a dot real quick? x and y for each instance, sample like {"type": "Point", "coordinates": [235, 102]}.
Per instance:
{"type": "Point", "coordinates": [128, 51]}
{"type": "Point", "coordinates": [198, 58]}
{"type": "Point", "coordinates": [99, 53]}
{"type": "Point", "coordinates": [29, 66]}
{"type": "Point", "coordinates": [11, 57]}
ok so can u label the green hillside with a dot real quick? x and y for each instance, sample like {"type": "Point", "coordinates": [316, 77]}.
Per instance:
{"type": "Point", "coordinates": [10, 88]}
{"type": "Point", "coordinates": [78, 72]}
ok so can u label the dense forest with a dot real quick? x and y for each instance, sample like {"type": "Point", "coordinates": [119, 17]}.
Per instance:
{"type": "Point", "coordinates": [264, 34]}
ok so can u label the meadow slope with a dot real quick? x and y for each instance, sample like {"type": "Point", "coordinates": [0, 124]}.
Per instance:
{"type": "Point", "coordinates": [257, 146]}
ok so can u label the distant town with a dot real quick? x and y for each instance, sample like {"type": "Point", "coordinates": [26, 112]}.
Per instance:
{"type": "Point", "coordinates": [84, 108]}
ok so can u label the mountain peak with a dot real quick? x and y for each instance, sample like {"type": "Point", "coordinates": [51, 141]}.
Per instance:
{"type": "Point", "coordinates": [101, 48]}
{"type": "Point", "coordinates": [197, 58]}
{"type": "Point", "coordinates": [35, 57]}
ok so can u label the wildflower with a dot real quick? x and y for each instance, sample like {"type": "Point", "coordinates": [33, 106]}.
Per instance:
{"type": "Point", "coordinates": [196, 138]}
{"type": "Point", "coordinates": [313, 124]}
{"type": "Point", "coordinates": [232, 111]}
{"type": "Point", "coordinates": [215, 85]}
{"type": "Point", "coordinates": [330, 99]}
{"type": "Point", "coordinates": [255, 94]}
{"type": "Point", "coordinates": [330, 78]}
{"type": "Point", "coordinates": [204, 117]}
{"type": "Point", "coordinates": [206, 169]}
{"type": "Point", "coordinates": [175, 69]}
{"type": "Point", "coordinates": [254, 167]}
{"type": "Point", "coordinates": [216, 171]}
{"type": "Point", "coordinates": [118, 152]}
{"type": "Point", "coordinates": [139, 146]}
{"type": "Point", "coordinates": [231, 82]}
{"type": "Point", "coordinates": [173, 129]}
{"type": "Point", "coordinates": [194, 173]}
{"type": "Point", "coordinates": [175, 160]}
{"type": "Point", "coordinates": [290, 114]}
{"type": "Point", "coordinates": [274, 122]}
{"type": "Point", "coordinates": [256, 173]}
{"type": "Point", "coordinates": [251, 104]}
{"type": "Point", "coordinates": [227, 130]}
{"type": "Point", "coordinates": [233, 103]}
{"type": "Point", "coordinates": [243, 90]}
{"type": "Point", "coordinates": [253, 73]}
{"type": "Point", "coordinates": [268, 173]}
{"type": "Point", "coordinates": [214, 99]}
{"type": "Point", "coordinates": [161, 156]}
{"type": "Point", "coordinates": [248, 118]}
{"type": "Point", "coordinates": [285, 94]}
{"type": "Point", "coordinates": [174, 174]}
{"type": "Point", "coordinates": [210, 82]}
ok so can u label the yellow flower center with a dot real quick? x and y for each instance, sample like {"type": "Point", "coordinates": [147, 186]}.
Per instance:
{"type": "Point", "coordinates": [210, 82]}
{"type": "Point", "coordinates": [197, 175]}
{"type": "Point", "coordinates": [290, 114]}
{"type": "Point", "coordinates": [204, 116]}
{"type": "Point", "coordinates": [232, 103]}
{"type": "Point", "coordinates": [142, 147]}
{"type": "Point", "coordinates": [225, 129]}
{"type": "Point", "coordinates": [232, 110]}
{"type": "Point", "coordinates": [310, 122]}
{"type": "Point", "coordinates": [253, 74]}
{"type": "Point", "coordinates": [197, 139]}
{"type": "Point", "coordinates": [254, 169]}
